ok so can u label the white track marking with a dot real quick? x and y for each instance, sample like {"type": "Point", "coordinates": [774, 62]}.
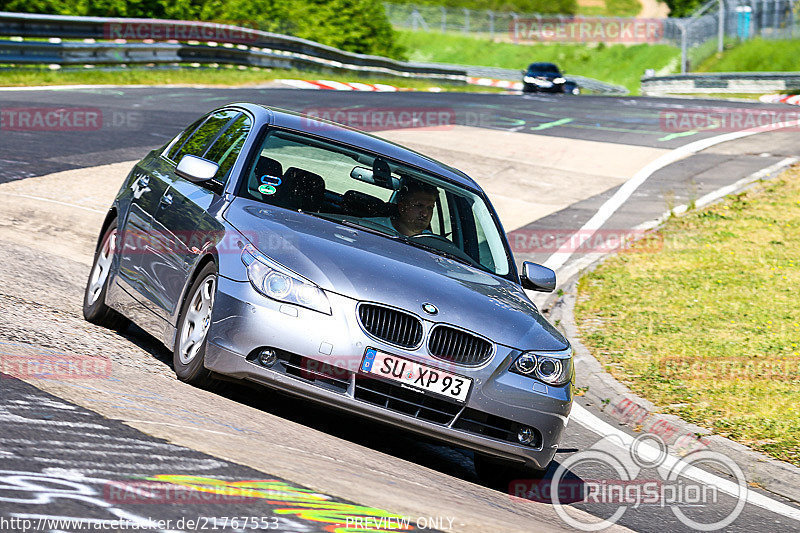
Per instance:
{"type": "Point", "coordinates": [39, 198]}
{"type": "Point", "coordinates": [616, 201]}
{"type": "Point", "coordinates": [336, 85]}
{"type": "Point", "coordinates": [583, 417]}
{"type": "Point", "coordinates": [299, 84]}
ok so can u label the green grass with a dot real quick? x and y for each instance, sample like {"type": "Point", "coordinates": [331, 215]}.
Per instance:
{"type": "Point", "coordinates": [619, 64]}
{"type": "Point", "coordinates": [708, 327]}
{"type": "Point", "coordinates": [194, 76]}
{"type": "Point", "coordinates": [757, 55]}
{"type": "Point", "coordinates": [622, 8]}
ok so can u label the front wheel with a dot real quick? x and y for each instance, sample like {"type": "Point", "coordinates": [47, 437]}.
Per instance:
{"type": "Point", "coordinates": [194, 322]}
{"type": "Point", "coordinates": [95, 309]}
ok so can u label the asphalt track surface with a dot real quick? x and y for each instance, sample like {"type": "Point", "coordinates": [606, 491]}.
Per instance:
{"type": "Point", "coordinates": [41, 433]}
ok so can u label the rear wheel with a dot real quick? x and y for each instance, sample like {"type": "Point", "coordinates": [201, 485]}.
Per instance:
{"type": "Point", "coordinates": [194, 322]}
{"type": "Point", "coordinates": [95, 309]}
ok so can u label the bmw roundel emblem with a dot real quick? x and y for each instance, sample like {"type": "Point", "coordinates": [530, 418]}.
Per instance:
{"type": "Point", "coordinates": [429, 308]}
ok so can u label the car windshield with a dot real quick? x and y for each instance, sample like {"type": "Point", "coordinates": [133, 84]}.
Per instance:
{"type": "Point", "coordinates": [548, 68]}
{"type": "Point", "coordinates": [354, 187]}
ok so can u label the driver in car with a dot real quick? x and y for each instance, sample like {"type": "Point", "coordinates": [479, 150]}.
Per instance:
{"type": "Point", "coordinates": [415, 204]}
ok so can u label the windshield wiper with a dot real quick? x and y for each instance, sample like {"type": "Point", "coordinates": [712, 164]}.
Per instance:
{"type": "Point", "coordinates": [449, 255]}
{"type": "Point", "coordinates": [351, 224]}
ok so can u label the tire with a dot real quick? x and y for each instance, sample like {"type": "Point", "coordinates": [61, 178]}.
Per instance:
{"type": "Point", "coordinates": [95, 309]}
{"type": "Point", "coordinates": [498, 474]}
{"type": "Point", "coordinates": [188, 354]}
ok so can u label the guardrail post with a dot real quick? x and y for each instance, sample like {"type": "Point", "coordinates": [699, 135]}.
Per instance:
{"type": "Point", "coordinates": [491, 24]}
{"type": "Point", "coordinates": [684, 46]}
{"type": "Point", "coordinates": [515, 18]}
{"type": "Point", "coordinates": [721, 28]}
{"type": "Point", "coordinates": [444, 19]}
{"type": "Point", "coordinates": [466, 20]}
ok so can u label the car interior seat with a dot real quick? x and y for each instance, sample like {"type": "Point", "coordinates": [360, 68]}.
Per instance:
{"type": "Point", "coordinates": [301, 190]}
{"type": "Point", "coordinates": [265, 166]}
{"type": "Point", "coordinates": [359, 204]}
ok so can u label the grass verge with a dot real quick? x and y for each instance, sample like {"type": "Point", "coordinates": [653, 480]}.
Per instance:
{"type": "Point", "coordinates": [619, 64]}
{"type": "Point", "coordinates": [223, 77]}
{"type": "Point", "coordinates": [708, 328]}
{"type": "Point", "coordinates": [756, 55]}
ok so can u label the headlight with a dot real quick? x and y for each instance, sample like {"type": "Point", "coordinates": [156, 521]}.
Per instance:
{"type": "Point", "coordinates": [551, 369]}
{"type": "Point", "coordinates": [529, 79]}
{"type": "Point", "coordinates": [279, 283]}
{"type": "Point", "coordinates": [559, 80]}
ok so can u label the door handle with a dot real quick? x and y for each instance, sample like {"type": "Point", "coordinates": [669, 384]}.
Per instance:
{"type": "Point", "coordinates": [166, 199]}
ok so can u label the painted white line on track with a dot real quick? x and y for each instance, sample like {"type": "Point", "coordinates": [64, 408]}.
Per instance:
{"type": "Point", "coordinates": [39, 198]}
{"type": "Point", "coordinates": [583, 417]}
{"type": "Point", "coordinates": [562, 255]}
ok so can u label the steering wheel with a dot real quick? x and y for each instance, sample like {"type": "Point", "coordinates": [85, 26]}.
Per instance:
{"type": "Point", "coordinates": [433, 236]}
{"type": "Point", "coordinates": [450, 247]}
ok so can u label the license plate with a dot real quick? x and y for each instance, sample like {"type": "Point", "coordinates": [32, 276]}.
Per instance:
{"type": "Point", "coordinates": [415, 375]}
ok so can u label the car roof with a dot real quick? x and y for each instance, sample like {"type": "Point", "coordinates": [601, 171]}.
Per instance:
{"type": "Point", "coordinates": [333, 131]}
{"type": "Point", "coordinates": [548, 66]}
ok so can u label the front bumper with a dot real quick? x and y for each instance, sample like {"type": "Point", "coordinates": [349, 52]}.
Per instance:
{"type": "Point", "coordinates": [320, 357]}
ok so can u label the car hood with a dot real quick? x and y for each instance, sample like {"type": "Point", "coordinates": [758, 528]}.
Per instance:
{"type": "Point", "coordinates": [368, 267]}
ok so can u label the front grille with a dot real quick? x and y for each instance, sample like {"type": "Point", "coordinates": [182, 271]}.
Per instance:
{"type": "Point", "coordinates": [410, 402]}
{"type": "Point", "coordinates": [390, 325]}
{"type": "Point", "coordinates": [458, 346]}
{"type": "Point", "coordinates": [493, 427]}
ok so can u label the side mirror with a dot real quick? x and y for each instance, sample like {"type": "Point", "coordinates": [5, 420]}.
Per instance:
{"type": "Point", "coordinates": [536, 277]}
{"type": "Point", "coordinates": [196, 169]}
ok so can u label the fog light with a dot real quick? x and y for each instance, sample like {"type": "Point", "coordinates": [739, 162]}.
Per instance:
{"type": "Point", "coordinates": [267, 358]}
{"type": "Point", "coordinates": [526, 436]}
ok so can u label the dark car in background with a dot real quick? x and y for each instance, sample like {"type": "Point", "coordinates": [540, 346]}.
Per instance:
{"type": "Point", "coordinates": [262, 245]}
{"type": "Point", "coordinates": [546, 77]}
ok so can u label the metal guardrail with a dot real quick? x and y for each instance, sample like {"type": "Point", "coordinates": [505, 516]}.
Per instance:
{"type": "Point", "coordinates": [104, 43]}
{"type": "Point", "coordinates": [725, 82]}
{"type": "Point", "coordinates": [201, 42]}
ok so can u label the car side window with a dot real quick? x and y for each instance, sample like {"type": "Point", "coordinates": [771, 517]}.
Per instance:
{"type": "Point", "coordinates": [203, 136]}
{"type": "Point", "coordinates": [181, 138]}
{"type": "Point", "coordinates": [227, 147]}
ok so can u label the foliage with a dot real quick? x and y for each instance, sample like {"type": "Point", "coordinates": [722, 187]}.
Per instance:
{"type": "Point", "coordinates": [354, 25]}
{"type": "Point", "coordinates": [683, 8]}
{"type": "Point", "coordinates": [569, 7]}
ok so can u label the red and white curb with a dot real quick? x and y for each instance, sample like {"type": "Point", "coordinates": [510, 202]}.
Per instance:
{"type": "Point", "coordinates": [793, 99]}
{"type": "Point", "coordinates": [489, 82]}
{"type": "Point", "coordinates": [339, 86]}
